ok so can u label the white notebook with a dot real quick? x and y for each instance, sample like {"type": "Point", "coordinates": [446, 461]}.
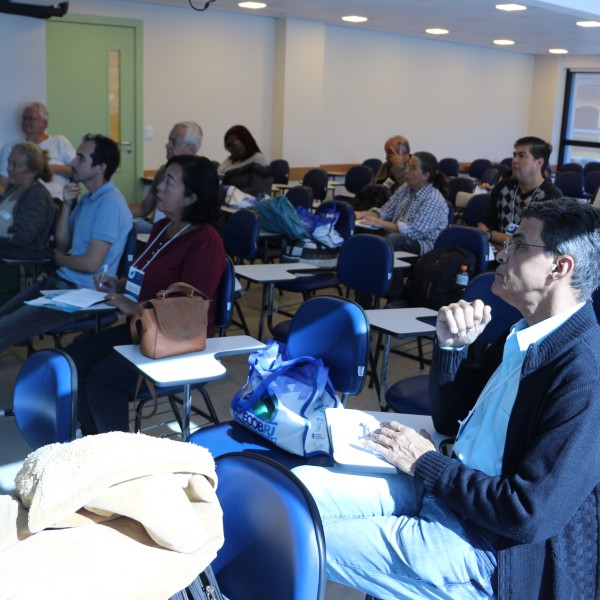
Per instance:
{"type": "Point", "coordinates": [346, 427]}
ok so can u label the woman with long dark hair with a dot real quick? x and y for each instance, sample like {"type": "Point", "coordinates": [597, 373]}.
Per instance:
{"type": "Point", "coordinates": [246, 167]}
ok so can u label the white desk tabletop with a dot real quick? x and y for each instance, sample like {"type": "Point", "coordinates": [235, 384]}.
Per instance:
{"type": "Point", "coordinates": [271, 272]}
{"type": "Point", "coordinates": [404, 254]}
{"type": "Point", "coordinates": [190, 368]}
{"type": "Point", "coordinates": [401, 321]}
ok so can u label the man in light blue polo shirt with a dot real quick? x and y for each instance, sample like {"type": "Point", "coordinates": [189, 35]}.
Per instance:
{"type": "Point", "coordinates": [90, 238]}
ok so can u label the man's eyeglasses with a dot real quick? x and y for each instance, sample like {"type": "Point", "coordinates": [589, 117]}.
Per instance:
{"type": "Point", "coordinates": [511, 245]}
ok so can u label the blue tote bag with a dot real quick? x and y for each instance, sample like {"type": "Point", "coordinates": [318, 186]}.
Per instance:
{"type": "Point", "coordinates": [284, 401]}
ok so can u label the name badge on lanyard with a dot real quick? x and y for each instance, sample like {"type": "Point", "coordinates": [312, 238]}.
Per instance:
{"type": "Point", "coordinates": [135, 278]}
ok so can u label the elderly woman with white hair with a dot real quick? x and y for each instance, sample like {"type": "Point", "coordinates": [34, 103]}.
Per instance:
{"type": "Point", "coordinates": [27, 213]}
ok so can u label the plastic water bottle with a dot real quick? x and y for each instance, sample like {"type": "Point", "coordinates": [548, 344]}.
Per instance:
{"type": "Point", "coordinates": [462, 277]}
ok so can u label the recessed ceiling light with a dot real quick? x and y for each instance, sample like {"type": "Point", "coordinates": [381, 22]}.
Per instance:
{"type": "Point", "coordinates": [503, 42]}
{"type": "Point", "coordinates": [354, 19]}
{"type": "Point", "coordinates": [252, 5]}
{"type": "Point", "coordinates": [437, 31]}
{"type": "Point", "coordinates": [558, 51]}
{"type": "Point", "coordinates": [588, 23]}
{"type": "Point", "coordinates": [510, 7]}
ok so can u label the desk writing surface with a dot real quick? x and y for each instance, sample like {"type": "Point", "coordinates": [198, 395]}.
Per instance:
{"type": "Point", "coordinates": [404, 254]}
{"type": "Point", "coordinates": [401, 264]}
{"type": "Point", "coordinates": [347, 426]}
{"type": "Point", "coordinates": [401, 321]}
{"type": "Point", "coordinates": [194, 367]}
{"type": "Point", "coordinates": [271, 272]}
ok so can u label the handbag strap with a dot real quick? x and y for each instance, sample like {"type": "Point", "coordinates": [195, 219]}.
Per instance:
{"type": "Point", "coordinates": [244, 403]}
{"type": "Point", "coordinates": [152, 389]}
{"type": "Point", "coordinates": [180, 287]}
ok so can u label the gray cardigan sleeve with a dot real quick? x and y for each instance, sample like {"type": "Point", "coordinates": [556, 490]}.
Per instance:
{"type": "Point", "coordinates": [33, 216]}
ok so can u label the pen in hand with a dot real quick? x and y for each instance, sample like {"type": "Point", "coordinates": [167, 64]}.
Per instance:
{"type": "Point", "coordinates": [104, 272]}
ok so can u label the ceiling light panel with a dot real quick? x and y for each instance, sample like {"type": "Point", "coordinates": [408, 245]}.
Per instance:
{"type": "Point", "coordinates": [510, 7]}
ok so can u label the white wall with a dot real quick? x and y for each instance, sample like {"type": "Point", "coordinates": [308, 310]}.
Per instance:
{"type": "Point", "coordinates": [448, 99]}
{"type": "Point", "coordinates": [22, 70]}
{"type": "Point", "coordinates": [312, 93]}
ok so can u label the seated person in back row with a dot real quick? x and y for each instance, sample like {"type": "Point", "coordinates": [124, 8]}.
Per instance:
{"type": "Point", "coordinates": [89, 237]}
{"type": "Point", "coordinates": [510, 196]}
{"type": "Point", "coordinates": [185, 138]}
{"type": "Point", "coordinates": [27, 213]}
{"type": "Point", "coordinates": [391, 172]}
{"type": "Point", "coordinates": [246, 167]}
{"type": "Point", "coordinates": [513, 513]}
{"type": "Point", "coordinates": [34, 122]}
{"type": "Point", "coordinates": [416, 214]}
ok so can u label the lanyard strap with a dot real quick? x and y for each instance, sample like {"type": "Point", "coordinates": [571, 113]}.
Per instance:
{"type": "Point", "coordinates": [160, 249]}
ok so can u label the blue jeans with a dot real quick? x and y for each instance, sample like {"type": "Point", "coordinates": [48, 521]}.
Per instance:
{"type": "Point", "coordinates": [388, 538]}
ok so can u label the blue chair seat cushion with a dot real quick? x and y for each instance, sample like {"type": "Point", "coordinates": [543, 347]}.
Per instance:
{"type": "Point", "coordinates": [230, 436]}
{"type": "Point", "coordinates": [309, 283]}
{"type": "Point", "coordinates": [409, 396]}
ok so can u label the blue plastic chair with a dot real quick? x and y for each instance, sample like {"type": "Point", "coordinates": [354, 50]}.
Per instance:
{"type": "Point", "coordinates": [365, 264]}
{"type": "Point", "coordinates": [591, 183]}
{"type": "Point", "coordinates": [281, 170]}
{"type": "Point", "coordinates": [300, 195]}
{"type": "Point", "coordinates": [328, 327]}
{"type": "Point", "coordinates": [357, 178]}
{"type": "Point", "coordinates": [449, 166]}
{"type": "Point", "coordinates": [45, 398]}
{"type": "Point", "coordinates": [478, 167]}
{"type": "Point", "coordinates": [490, 176]}
{"type": "Point", "coordinates": [274, 545]}
{"type": "Point", "coordinates": [411, 395]}
{"type": "Point", "coordinates": [373, 163]}
{"type": "Point", "coordinates": [345, 223]}
{"type": "Point", "coordinates": [571, 167]}
{"type": "Point", "coordinates": [475, 209]}
{"type": "Point", "coordinates": [223, 318]}
{"type": "Point", "coordinates": [470, 239]}
{"type": "Point", "coordinates": [241, 236]}
{"type": "Point", "coordinates": [591, 166]}
{"type": "Point", "coordinates": [459, 184]}
{"type": "Point", "coordinates": [570, 183]}
{"type": "Point", "coordinates": [316, 180]}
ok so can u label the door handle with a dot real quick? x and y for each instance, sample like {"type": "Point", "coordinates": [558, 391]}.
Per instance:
{"type": "Point", "coordinates": [129, 146]}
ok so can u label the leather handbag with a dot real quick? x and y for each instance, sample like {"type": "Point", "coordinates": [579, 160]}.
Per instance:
{"type": "Point", "coordinates": [173, 323]}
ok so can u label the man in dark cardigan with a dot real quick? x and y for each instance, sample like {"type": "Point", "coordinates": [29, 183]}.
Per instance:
{"type": "Point", "coordinates": [514, 512]}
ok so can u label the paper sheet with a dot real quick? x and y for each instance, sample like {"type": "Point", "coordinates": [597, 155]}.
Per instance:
{"type": "Point", "coordinates": [347, 426]}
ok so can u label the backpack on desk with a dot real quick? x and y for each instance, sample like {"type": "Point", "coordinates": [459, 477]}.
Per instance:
{"type": "Point", "coordinates": [432, 282]}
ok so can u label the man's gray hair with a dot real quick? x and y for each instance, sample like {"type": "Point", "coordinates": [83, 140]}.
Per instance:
{"type": "Point", "coordinates": [40, 108]}
{"type": "Point", "coordinates": [193, 133]}
{"type": "Point", "coordinates": [572, 227]}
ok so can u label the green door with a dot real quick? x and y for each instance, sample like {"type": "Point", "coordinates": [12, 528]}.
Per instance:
{"type": "Point", "coordinates": [93, 80]}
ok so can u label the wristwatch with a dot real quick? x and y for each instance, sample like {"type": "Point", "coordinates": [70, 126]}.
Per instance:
{"type": "Point", "coordinates": [488, 234]}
